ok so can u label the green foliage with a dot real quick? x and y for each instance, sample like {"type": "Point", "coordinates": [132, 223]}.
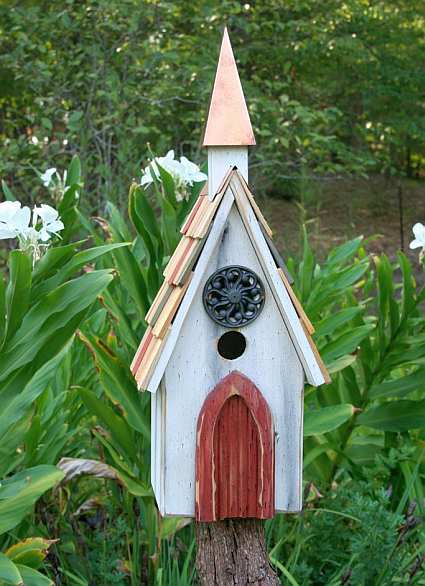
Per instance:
{"type": "Point", "coordinates": [331, 87]}
{"type": "Point", "coordinates": [350, 535]}
{"type": "Point", "coordinates": [69, 329]}
{"type": "Point", "coordinates": [369, 331]}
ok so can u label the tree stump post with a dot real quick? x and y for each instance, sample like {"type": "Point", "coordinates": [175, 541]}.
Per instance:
{"type": "Point", "coordinates": [233, 552]}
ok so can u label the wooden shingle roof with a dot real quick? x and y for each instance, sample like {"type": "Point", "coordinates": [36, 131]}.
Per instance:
{"type": "Point", "coordinates": [156, 346]}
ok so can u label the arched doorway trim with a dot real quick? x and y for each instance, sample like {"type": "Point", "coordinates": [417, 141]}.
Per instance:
{"type": "Point", "coordinates": [234, 452]}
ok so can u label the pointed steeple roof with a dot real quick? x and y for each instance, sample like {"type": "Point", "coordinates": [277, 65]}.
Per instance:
{"type": "Point", "coordinates": [228, 122]}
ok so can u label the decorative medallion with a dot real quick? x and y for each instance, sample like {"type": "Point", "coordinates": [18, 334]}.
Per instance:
{"type": "Point", "coordinates": [234, 296]}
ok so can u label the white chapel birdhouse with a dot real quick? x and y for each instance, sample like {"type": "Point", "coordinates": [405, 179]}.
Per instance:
{"type": "Point", "coordinates": [228, 347]}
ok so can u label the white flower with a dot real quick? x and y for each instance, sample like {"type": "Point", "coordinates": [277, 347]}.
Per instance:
{"type": "Point", "coordinates": [15, 222]}
{"type": "Point", "coordinates": [168, 163]}
{"type": "Point", "coordinates": [419, 233]}
{"type": "Point", "coordinates": [14, 219]}
{"type": "Point", "coordinates": [184, 173]}
{"type": "Point", "coordinates": [47, 176]}
{"type": "Point", "coordinates": [191, 172]}
{"type": "Point", "coordinates": [51, 223]}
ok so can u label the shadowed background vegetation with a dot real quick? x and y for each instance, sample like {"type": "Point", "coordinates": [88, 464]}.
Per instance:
{"type": "Point", "coordinates": [333, 87]}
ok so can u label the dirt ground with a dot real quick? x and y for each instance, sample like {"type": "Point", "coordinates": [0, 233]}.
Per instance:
{"type": "Point", "coordinates": [343, 209]}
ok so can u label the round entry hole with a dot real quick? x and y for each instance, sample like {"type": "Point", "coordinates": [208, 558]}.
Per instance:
{"type": "Point", "coordinates": [231, 345]}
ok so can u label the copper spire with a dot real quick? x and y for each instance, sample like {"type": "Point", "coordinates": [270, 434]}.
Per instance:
{"type": "Point", "coordinates": [228, 121]}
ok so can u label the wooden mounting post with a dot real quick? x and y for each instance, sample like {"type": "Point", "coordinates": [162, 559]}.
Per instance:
{"type": "Point", "coordinates": [234, 484]}
{"type": "Point", "coordinates": [233, 551]}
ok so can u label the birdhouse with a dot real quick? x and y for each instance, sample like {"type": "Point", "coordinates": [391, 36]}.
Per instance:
{"type": "Point", "coordinates": [228, 347]}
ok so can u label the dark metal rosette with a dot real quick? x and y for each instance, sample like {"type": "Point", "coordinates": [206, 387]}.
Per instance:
{"type": "Point", "coordinates": [234, 296]}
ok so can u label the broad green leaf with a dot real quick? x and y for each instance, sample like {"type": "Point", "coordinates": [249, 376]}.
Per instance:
{"type": "Point", "coordinates": [17, 292]}
{"type": "Point", "coordinates": [122, 316]}
{"type": "Point", "coordinates": [22, 490]}
{"type": "Point", "coordinates": [49, 316]}
{"type": "Point", "coordinates": [311, 455]}
{"type": "Point", "coordinates": [346, 343]}
{"type": "Point", "coordinates": [74, 171]}
{"type": "Point", "coordinates": [15, 407]}
{"type": "Point", "coordinates": [409, 295]}
{"type": "Point", "coordinates": [326, 419]}
{"type": "Point", "coordinates": [340, 363]}
{"type": "Point", "coordinates": [119, 385]}
{"type": "Point", "coordinates": [2, 306]}
{"type": "Point", "coordinates": [170, 525]}
{"type": "Point", "coordinates": [384, 297]}
{"type": "Point", "coordinates": [364, 454]}
{"type": "Point", "coordinates": [395, 416]}
{"type": "Point", "coordinates": [140, 222]}
{"type": "Point", "coordinates": [53, 260]}
{"type": "Point", "coordinates": [33, 577]}
{"type": "Point", "coordinates": [329, 287]}
{"type": "Point", "coordinates": [145, 212]}
{"type": "Point", "coordinates": [30, 552]}
{"type": "Point", "coordinates": [132, 279]}
{"type": "Point", "coordinates": [119, 230]}
{"type": "Point", "coordinates": [171, 233]}
{"type": "Point", "coordinates": [78, 261]}
{"type": "Point", "coordinates": [168, 185]}
{"type": "Point", "coordinates": [122, 468]}
{"type": "Point", "coordinates": [344, 252]}
{"type": "Point", "coordinates": [320, 466]}
{"type": "Point", "coordinates": [9, 573]}
{"type": "Point", "coordinates": [116, 425]}
{"type": "Point", "coordinates": [329, 324]}
{"type": "Point", "coordinates": [399, 387]}
{"type": "Point", "coordinates": [133, 485]}
{"type": "Point", "coordinates": [306, 268]}
{"type": "Point", "coordinates": [7, 192]}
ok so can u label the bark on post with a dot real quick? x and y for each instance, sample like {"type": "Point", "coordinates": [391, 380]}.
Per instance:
{"type": "Point", "coordinates": [233, 552]}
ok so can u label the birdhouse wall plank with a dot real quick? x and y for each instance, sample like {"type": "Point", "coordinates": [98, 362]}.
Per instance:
{"type": "Point", "coordinates": [158, 435]}
{"type": "Point", "coordinates": [195, 367]}
{"type": "Point", "coordinates": [154, 444]}
{"type": "Point", "coordinates": [220, 160]}
{"type": "Point", "coordinates": [283, 301]}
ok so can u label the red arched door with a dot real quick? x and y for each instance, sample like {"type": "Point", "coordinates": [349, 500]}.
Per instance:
{"type": "Point", "coordinates": [235, 453]}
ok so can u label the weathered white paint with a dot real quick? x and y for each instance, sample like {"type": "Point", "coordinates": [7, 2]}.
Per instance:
{"type": "Point", "coordinates": [312, 369]}
{"type": "Point", "coordinates": [220, 160]}
{"type": "Point", "coordinates": [283, 301]}
{"type": "Point", "coordinates": [158, 440]}
{"type": "Point", "coordinates": [210, 245]}
{"type": "Point", "coordinates": [270, 361]}
{"type": "Point", "coordinates": [154, 457]}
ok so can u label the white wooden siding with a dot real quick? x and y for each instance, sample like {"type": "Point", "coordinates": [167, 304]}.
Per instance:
{"type": "Point", "coordinates": [195, 367]}
{"type": "Point", "coordinates": [220, 160]}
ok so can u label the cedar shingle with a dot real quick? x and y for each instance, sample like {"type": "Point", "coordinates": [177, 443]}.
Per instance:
{"type": "Point", "coordinates": [170, 309]}
{"type": "Point", "coordinates": [159, 302]}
